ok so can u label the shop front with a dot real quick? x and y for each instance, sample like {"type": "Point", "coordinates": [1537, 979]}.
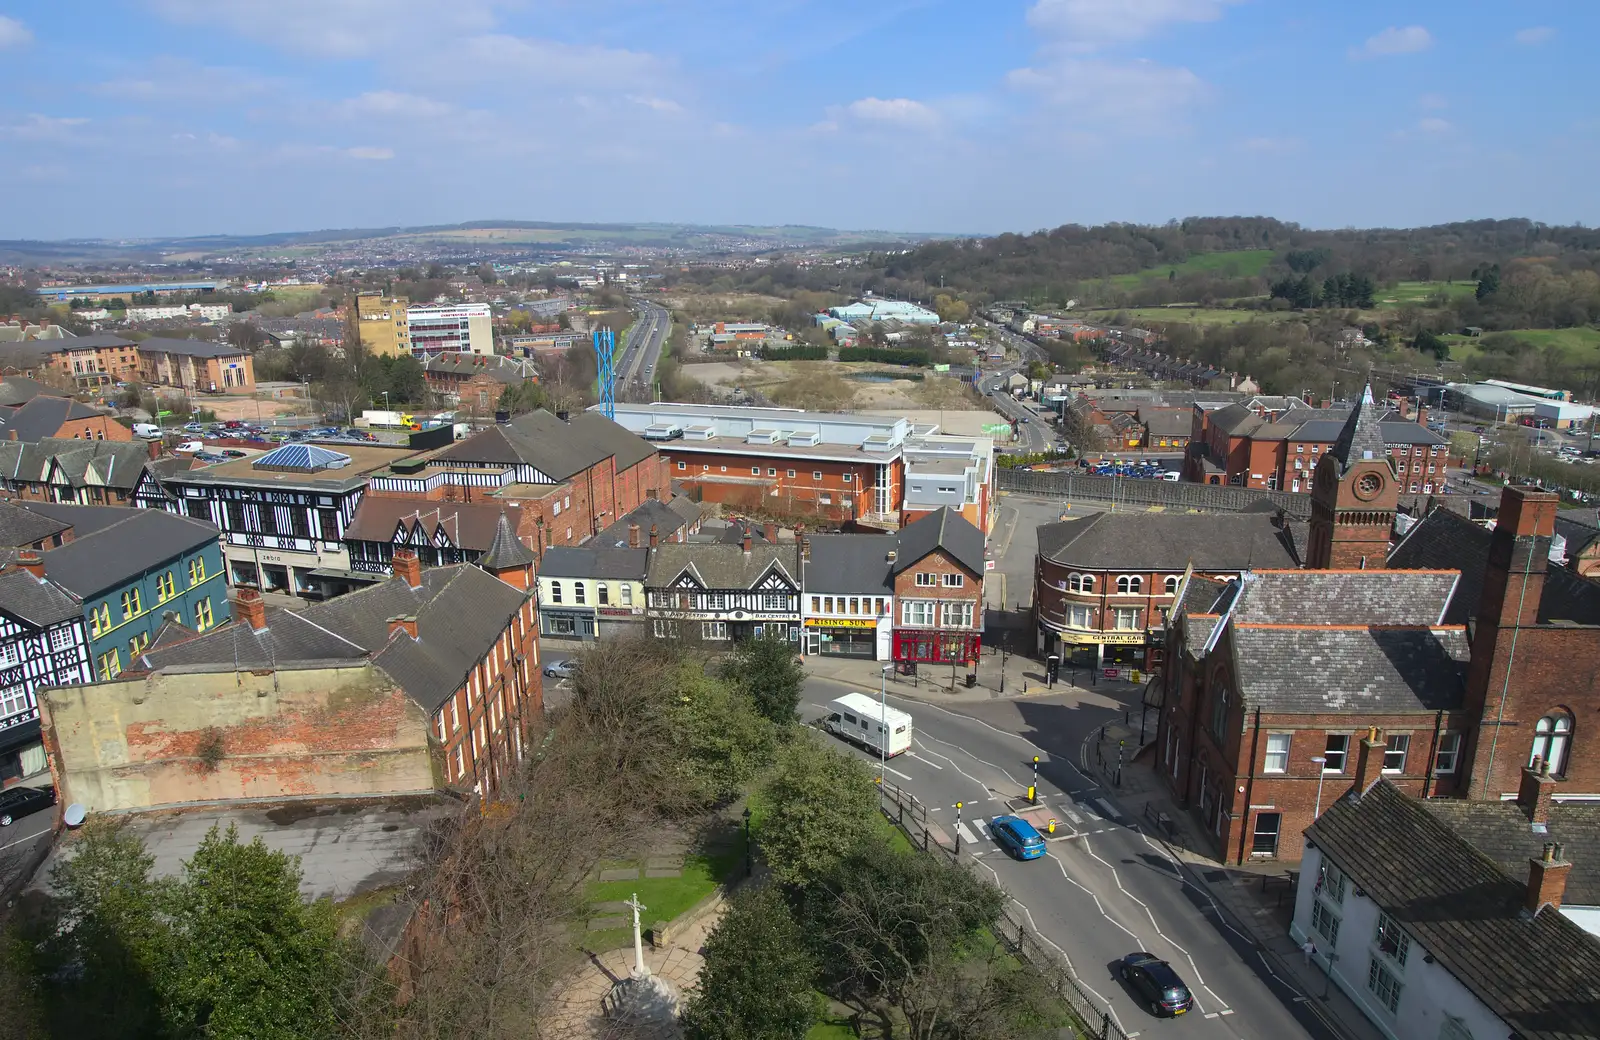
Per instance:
{"type": "Point", "coordinates": [567, 622]}
{"type": "Point", "coordinates": [1114, 654]}
{"type": "Point", "coordinates": [842, 637]}
{"type": "Point", "coordinates": [613, 622]}
{"type": "Point", "coordinates": [936, 646]}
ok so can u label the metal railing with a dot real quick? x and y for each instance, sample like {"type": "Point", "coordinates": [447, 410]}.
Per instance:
{"type": "Point", "coordinates": [1093, 1019]}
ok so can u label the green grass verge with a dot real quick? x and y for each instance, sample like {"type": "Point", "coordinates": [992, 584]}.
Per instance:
{"type": "Point", "coordinates": [1402, 293]}
{"type": "Point", "coordinates": [1188, 315]}
{"type": "Point", "coordinates": [1235, 263]}
{"type": "Point", "coordinates": [1579, 345]}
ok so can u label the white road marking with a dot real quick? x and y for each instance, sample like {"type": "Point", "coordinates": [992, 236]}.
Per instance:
{"type": "Point", "coordinates": [1077, 821]}
{"type": "Point", "coordinates": [924, 761]}
{"type": "Point", "coordinates": [30, 837]}
{"type": "Point", "coordinates": [1105, 807]}
{"type": "Point", "coordinates": [896, 772]}
{"type": "Point", "coordinates": [966, 835]}
{"type": "Point", "coordinates": [983, 828]}
{"type": "Point", "coordinates": [958, 769]}
{"type": "Point", "coordinates": [970, 755]}
{"type": "Point", "coordinates": [968, 718]}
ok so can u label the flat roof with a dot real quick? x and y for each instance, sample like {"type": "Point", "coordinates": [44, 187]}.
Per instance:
{"type": "Point", "coordinates": [81, 290]}
{"type": "Point", "coordinates": [730, 446]}
{"type": "Point", "coordinates": [365, 459]}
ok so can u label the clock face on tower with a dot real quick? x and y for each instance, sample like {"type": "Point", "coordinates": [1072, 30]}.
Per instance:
{"type": "Point", "coordinates": [1368, 485]}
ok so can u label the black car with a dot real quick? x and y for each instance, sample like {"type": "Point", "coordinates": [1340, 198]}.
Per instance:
{"type": "Point", "coordinates": [1156, 984]}
{"type": "Point", "coordinates": [18, 802]}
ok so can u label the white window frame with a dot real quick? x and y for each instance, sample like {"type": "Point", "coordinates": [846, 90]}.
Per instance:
{"type": "Point", "coordinates": [1447, 756]}
{"type": "Point", "coordinates": [1083, 611]}
{"type": "Point", "coordinates": [955, 613]}
{"type": "Point", "coordinates": [1328, 753]}
{"type": "Point", "coordinates": [955, 581]}
{"type": "Point", "coordinates": [918, 612]}
{"type": "Point", "coordinates": [713, 630]}
{"type": "Point", "coordinates": [1128, 614]}
{"type": "Point", "coordinates": [1397, 743]}
{"type": "Point", "coordinates": [1277, 756]}
{"type": "Point", "coordinates": [927, 580]}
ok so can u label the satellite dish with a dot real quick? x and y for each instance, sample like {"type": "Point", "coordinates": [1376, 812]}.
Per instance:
{"type": "Point", "coordinates": [75, 814]}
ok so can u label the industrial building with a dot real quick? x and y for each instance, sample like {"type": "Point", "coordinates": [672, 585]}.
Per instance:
{"type": "Point", "coordinates": [885, 310]}
{"type": "Point", "coordinates": [1490, 401]}
{"type": "Point", "coordinates": [122, 292]}
{"type": "Point", "coordinates": [464, 328]}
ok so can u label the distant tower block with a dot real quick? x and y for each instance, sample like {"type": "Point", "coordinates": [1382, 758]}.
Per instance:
{"type": "Point", "coordinates": [605, 345]}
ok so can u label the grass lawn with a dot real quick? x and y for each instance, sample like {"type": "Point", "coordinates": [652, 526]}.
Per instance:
{"type": "Point", "coordinates": [1402, 293]}
{"type": "Point", "coordinates": [665, 898]}
{"type": "Point", "coordinates": [1580, 345]}
{"type": "Point", "coordinates": [1240, 263]}
{"type": "Point", "coordinates": [1188, 315]}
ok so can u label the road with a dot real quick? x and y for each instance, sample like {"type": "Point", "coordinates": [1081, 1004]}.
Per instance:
{"type": "Point", "coordinates": [1105, 889]}
{"type": "Point", "coordinates": [641, 350]}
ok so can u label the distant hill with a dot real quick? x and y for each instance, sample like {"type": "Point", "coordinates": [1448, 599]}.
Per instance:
{"type": "Point", "coordinates": [473, 237]}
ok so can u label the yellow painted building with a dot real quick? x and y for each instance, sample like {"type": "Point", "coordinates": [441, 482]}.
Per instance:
{"type": "Point", "coordinates": [382, 321]}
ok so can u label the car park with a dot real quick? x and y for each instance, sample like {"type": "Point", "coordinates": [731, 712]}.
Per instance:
{"type": "Point", "coordinates": [190, 447]}
{"type": "Point", "coordinates": [1017, 836]}
{"type": "Point", "coordinates": [17, 802]}
{"type": "Point", "coordinates": [233, 453]}
{"type": "Point", "coordinates": [210, 457]}
{"type": "Point", "coordinates": [1156, 984]}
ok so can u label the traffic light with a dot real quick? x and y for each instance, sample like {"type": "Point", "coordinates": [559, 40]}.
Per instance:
{"type": "Point", "coordinates": [1052, 668]}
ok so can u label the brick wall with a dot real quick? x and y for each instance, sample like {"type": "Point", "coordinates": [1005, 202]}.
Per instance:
{"type": "Point", "coordinates": [778, 484]}
{"type": "Point", "coordinates": [483, 727]}
{"type": "Point", "coordinates": [138, 743]}
{"type": "Point", "coordinates": [938, 564]}
{"type": "Point", "coordinates": [100, 427]}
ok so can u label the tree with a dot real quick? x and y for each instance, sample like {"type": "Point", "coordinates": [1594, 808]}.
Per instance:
{"type": "Point", "coordinates": [720, 738]}
{"type": "Point", "coordinates": [1427, 343]}
{"type": "Point", "coordinates": [767, 671]}
{"type": "Point", "coordinates": [246, 336]}
{"type": "Point", "coordinates": [1488, 282]}
{"type": "Point", "coordinates": [822, 806]}
{"type": "Point", "coordinates": [407, 379]}
{"type": "Point", "coordinates": [486, 274]}
{"type": "Point", "coordinates": [759, 975]}
{"type": "Point", "coordinates": [437, 272]}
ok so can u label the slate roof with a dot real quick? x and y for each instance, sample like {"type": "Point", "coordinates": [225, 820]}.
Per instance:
{"type": "Point", "coordinates": [1502, 831]}
{"type": "Point", "coordinates": [43, 417]}
{"type": "Point", "coordinates": [1322, 431]}
{"type": "Point", "coordinates": [668, 517]}
{"type": "Point", "coordinates": [851, 563]}
{"type": "Point", "coordinates": [17, 390]}
{"type": "Point", "coordinates": [721, 566]}
{"type": "Point", "coordinates": [189, 347]}
{"type": "Point", "coordinates": [1167, 422]}
{"type": "Point", "coordinates": [1445, 539]}
{"type": "Point", "coordinates": [21, 527]}
{"type": "Point", "coordinates": [570, 561]}
{"type": "Point", "coordinates": [501, 369]}
{"type": "Point", "coordinates": [116, 464]}
{"type": "Point", "coordinates": [90, 342]}
{"type": "Point", "coordinates": [1332, 669]}
{"type": "Point", "coordinates": [469, 525]}
{"type": "Point", "coordinates": [536, 439]}
{"type": "Point", "coordinates": [1172, 541]}
{"type": "Point", "coordinates": [1236, 420]}
{"type": "Point", "coordinates": [1362, 436]}
{"type": "Point", "coordinates": [114, 552]}
{"type": "Point", "coordinates": [1404, 431]}
{"type": "Point", "coordinates": [628, 448]}
{"type": "Point", "coordinates": [941, 529]}
{"type": "Point", "coordinates": [289, 640]}
{"type": "Point", "coordinates": [1536, 973]}
{"type": "Point", "coordinates": [1199, 595]}
{"type": "Point", "coordinates": [1374, 597]}
{"type": "Point", "coordinates": [505, 551]}
{"type": "Point", "coordinates": [38, 603]}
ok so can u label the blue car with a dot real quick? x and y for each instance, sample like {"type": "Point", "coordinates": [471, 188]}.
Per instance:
{"type": "Point", "coordinates": [1017, 836]}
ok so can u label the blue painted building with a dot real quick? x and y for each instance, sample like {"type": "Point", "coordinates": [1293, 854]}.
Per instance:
{"type": "Point", "coordinates": [134, 570]}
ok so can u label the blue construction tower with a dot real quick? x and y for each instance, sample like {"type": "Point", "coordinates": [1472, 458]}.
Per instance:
{"type": "Point", "coordinates": [605, 344]}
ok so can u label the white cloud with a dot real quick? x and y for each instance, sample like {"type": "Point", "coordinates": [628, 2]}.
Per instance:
{"type": "Point", "coordinates": [393, 104]}
{"type": "Point", "coordinates": [666, 106]}
{"type": "Point", "coordinates": [1434, 125]}
{"type": "Point", "coordinates": [175, 79]}
{"type": "Point", "coordinates": [1087, 24]}
{"type": "Point", "coordinates": [1392, 41]}
{"type": "Point", "coordinates": [1534, 35]}
{"type": "Point", "coordinates": [368, 152]}
{"type": "Point", "coordinates": [903, 111]}
{"type": "Point", "coordinates": [37, 127]}
{"type": "Point", "coordinates": [13, 33]}
{"type": "Point", "coordinates": [502, 59]}
{"type": "Point", "coordinates": [1433, 102]}
{"type": "Point", "coordinates": [336, 28]}
{"type": "Point", "coordinates": [1140, 95]}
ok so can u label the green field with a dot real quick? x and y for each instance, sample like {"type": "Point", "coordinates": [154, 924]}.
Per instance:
{"type": "Point", "coordinates": [1185, 315]}
{"type": "Point", "coordinates": [1237, 263]}
{"type": "Point", "coordinates": [1402, 293]}
{"type": "Point", "coordinates": [1580, 345]}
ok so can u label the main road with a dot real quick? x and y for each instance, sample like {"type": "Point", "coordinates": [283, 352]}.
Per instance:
{"type": "Point", "coordinates": [641, 349]}
{"type": "Point", "coordinates": [1105, 889]}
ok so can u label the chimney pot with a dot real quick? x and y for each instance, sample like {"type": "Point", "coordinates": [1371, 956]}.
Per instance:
{"type": "Point", "coordinates": [653, 536]}
{"type": "Point", "coordinates": [407, 566]}
{"type": "Point", "coordinates": [251, 608]}
{"type": "Point", "coordinates": [406, 623]}
{"type": "Point", "coordinates": [1547, 879]}
{"type": "Point", "coordinates": [31, 562]}
{"type": "Point", "coordinates": [1369, 761]}
{"type": "Point", "coordinates": [1535, 792]}
{"type": "Point", "coordinates": [633, 536]}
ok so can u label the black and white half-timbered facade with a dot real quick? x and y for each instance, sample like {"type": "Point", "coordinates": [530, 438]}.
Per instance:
{"type": "Point", "coordinates": [42, 643]}
{"type": "Point", "coordinates": [723, 592]}
{"type": "Point", "coordinates": [283, 515]}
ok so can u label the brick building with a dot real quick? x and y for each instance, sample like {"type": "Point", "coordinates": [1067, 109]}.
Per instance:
{"type": "Point", "coordinates": [91, 362]}
{"type": "Point", "coordinates": [85, 472]}
{"type": "Point", "coordinates": [45, 416]}
{"type": "Point", "coordinates": [937, 579]}
{"type": "Point", "coordinates": [1105, 583]}
{"type": "Point", "coordinates": [473, 383]}
{"type": "Point", "coordinates": [196, 366]}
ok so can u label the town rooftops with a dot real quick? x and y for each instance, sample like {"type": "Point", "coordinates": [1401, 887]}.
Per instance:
{"type": "Point", "coordinates": [720, 565]}
{"type": "Point", "coordinates": [1503, 831]}
{"type": "Point", "coordinates": [1444, 539]}
{"type": "Point", "coordinates": [43, 416]}
{"type": "Point", "coordinates": [93, 341]}
{"type": "Point", "coordinates": [731, 426]}
{"type": "Point", "coordinates": [197, 348]}
{"type": "Point", "coordinates": [501, 369]}
{"type": "Point", "coordinates": [1536, 972]}
{"type": "Point", "coordinates": [466, 525]}
{"type": "Point", "coordinates": [19, 390]}
{"type": "Point", "coordinates": [505, 551]}
{"type": "Point", "coordinates": [557, 449]}
{"type": "Point", "coordinates": [364, 460]}
{"type": "Point", "coordinates": [941, 529]}
{"type": "Point", "coordinates": [668, 518]}
{"type": "Point", "coordinates": [851, 563]}
{"type": "Point", "coordinates": [21, 527]}
{"type": "Point", "coordinates": [1355, 597]}
{"type": "Point", "coordinates": [1362, 436]}
{"type": "Point", "coordinates": [1171, 542]}
{"type": "Point", "coordinates": [605, 562]}
{"type": "Point", "coordinates": [1317, 669]}
{"type": "Point", "coordinates": [112, 544]}
{"type": "Point", "coordinates": [36, 602]}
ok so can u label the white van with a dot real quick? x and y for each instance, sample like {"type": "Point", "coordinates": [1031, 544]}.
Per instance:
{"type": "Point", "coordinates": [1172, 475]}
{"type": "Point", "coordinates": [856, 718]}
{"type": "Point", "coordinates": [147, 430]}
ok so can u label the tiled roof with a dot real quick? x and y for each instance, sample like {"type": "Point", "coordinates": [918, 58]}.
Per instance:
{"type": "Point", "coordinates": [1503, 832]}
{"type": "Point", "coordinates": [1374, 597]}
{"type": "Point", "coordinates": [1172, 541]}
{"type": "Point", "coordinates": [1406, 432]}
{"type": "Point", "coordinates": [850, 563]}
{"type": "Point", "coordinates": [628, 448]}
{"type": "Point", "coordinates": [21, 527]}
{"type": "Point", "coordinates": [1167, 422]}
{"type": "Point", "coordinates": [537, 439]}
{"type": "Point", "coordinates": [1362, 436]}
{"type": "Point", "coordinates": [1199, 595]}
{"type": "Point", "coordinates": [505, 551]}
{"type": "Point", "coordinates": [288, 641]}
{"type": "Point", "coordinates": [1536, 973]}
{"type": "Point", "coordinates": [668, 517]}
{"type": "Point", "coordinates": [1236, 420]}
{"type": "Point", "coordinates": [38, 603]}
{"type": "Point", "coordinates": [43, 417]}
{"type": "Point", "coordinates": [1320, 669]}
{"type": "Point", "coordinates": [16, 390]}
{"type": "Point", "coordinates": [1446, 539]}
{"type": "Point", "coordinates": [502, 369]}
{"type": "Point", "coordinates": [941, 529]}
{"type": "Point", "coordinates": [135, 541]}
{"type": "Point", "coordinates": [569, 561]}
{"type": "Point", "coordinates": [115, 464]}
{"type": "Point", "coordinates": [722, 566]}
{"type": "Point", "coordinates": [467, 525]}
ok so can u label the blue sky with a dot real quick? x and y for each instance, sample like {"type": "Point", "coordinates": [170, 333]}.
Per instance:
{"type": "Point", "coordinates": [124, 118]}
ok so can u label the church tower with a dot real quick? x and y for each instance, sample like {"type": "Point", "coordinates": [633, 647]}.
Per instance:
{"type": "Point", "coordinates": [1355, 496]}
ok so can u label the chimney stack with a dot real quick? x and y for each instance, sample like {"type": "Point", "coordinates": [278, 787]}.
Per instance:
{"type": "Point", "coordinates": [1369, 760]}
{"type": "Point", "coordinates": [31, 562]}
{"type": "Point", "coordinates": [407, 566]}
{"type": "Point", "coordinates": [153, 449]}
{"type": "Point", "coordinates": [747, 541]}
{"type": "Point", "coordinates": [406, 623]}
{"type": "Point", "coordinates": [805, 547]}
{"type": "Point", "coordinates": [633, 536]}
{"type": "Point", "coordinates": [250, 608]}
{"type": "Point", "coordinates": [1534, 795]}
{"type": "Point", "coordinates": [653, 538]}
{"type": "Point", "coordinates": [1547, 879]}
{"type": "Point", "coordinates": [1519, 551]}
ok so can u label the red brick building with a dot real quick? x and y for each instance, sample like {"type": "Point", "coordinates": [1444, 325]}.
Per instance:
{"type": "Point", "coordinates": [938, 591]}
{"type": "Point", "coordinates": [473, 383]}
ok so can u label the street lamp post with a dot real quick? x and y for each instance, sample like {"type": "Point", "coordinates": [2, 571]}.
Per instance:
{"type": "Point", "coordinates": [1320, 761]}
{"type": "Point", "coordinates": [883, 721]}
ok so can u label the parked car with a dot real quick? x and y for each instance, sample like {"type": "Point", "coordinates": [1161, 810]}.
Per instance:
{"type": "Point", "coordinates": [233, 453]}
{"type": "Point", "coordinates": [209, 457]}
{"type": "Point", "coordinates": [192, 427]}
{"type": "Point", "coordinates": [1017, 836]}
{"type": "Point", "coordinates": [17, 802]}
{"type": "Point", "coordinates": [561, 669]}
{"type": "Point", "coordinates": [1156, 984]}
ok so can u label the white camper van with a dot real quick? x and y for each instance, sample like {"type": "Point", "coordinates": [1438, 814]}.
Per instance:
{"type": "Point", "coordinates": [856, 718]}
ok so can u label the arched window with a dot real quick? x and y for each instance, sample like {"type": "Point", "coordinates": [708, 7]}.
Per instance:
{"type": "Point", "coordinates": [1088, 583]}
{"type": "Point", "coordinates": [1171, 583]}
{"type": "Point", "coordinates": [1552, 736]}
{"type": "Point", "coordinates": [1074, 583]}
{"type": "Point", "coordinates": [1129, 583]}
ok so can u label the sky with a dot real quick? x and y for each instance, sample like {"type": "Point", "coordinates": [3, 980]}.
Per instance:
{"type": "Point", "coordinates": [133, 118]}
